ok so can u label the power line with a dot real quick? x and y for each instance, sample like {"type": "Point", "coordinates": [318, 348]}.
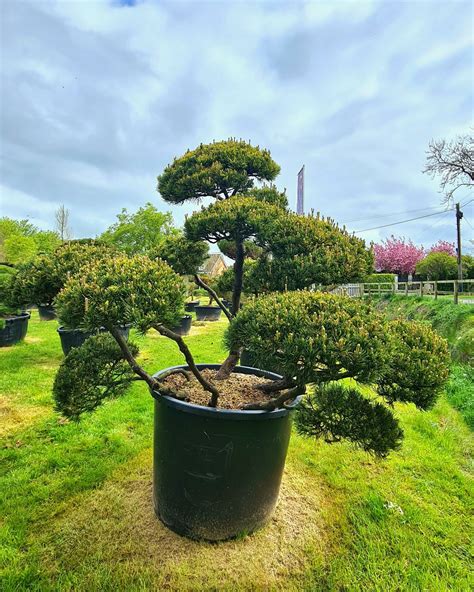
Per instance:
{"type": "Point", "coordinates": [403, 221]}
{"type": "Point", "coordinates": [441, 219]}
{"type": "Point", "coordinates": [392, 214]}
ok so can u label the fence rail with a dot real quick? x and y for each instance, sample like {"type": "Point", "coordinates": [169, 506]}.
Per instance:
{"type": "Point", "coordinates": [458, 289]}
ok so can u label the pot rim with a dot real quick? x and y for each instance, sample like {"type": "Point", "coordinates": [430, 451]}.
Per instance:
{"type": "Point", "coordinates": [214, 307]}
{"type": "Point", "coordinates": [17, 317]}
{"type": "Point", "coordinates": [234, 414]}
{"type": "Point", "coordinates": [62, 329]}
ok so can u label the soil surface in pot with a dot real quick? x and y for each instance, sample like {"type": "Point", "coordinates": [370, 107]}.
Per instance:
{"type": "Point", "coordinates": [235, 391]}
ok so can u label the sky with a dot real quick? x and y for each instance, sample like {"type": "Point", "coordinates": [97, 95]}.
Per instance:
{"type": "Point", "coordinates": [97, 97]}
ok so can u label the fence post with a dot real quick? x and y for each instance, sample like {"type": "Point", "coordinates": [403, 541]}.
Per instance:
{"type": "Point", "coordinates": [456, 290]}
{"type": "Point", "coordinates": [421, 288]}
{"type": "Point", "coordinates": [378, 289]}
{"type": "Point", "coordinates": [406, 288]}
{"type": "Point", "coordinates": [393, 288]}
{"type": "Point", "coordinates": [436, 290]}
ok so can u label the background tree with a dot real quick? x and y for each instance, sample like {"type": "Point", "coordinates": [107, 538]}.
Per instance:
{"type": "Point", "coordinates": [396, 255]}
{"type": "Point", "coordinates": [218, 170]}
{"type": "Point", "coordinates": [453, 163]}
{"type": "Point", "coordinates": [62, 223]}
{"type": "Point", "coordinates": [443, 246]}
{"type": "Point", "coordinates": [437, 265]}
{"type": "Point", "coordinates": [468, 267]}
{"type": "Point", "coordinates": [140, 232]}
{"type": "Point", "coordinates": [20, 241]}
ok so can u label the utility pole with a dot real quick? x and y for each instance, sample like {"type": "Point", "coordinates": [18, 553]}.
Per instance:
{"type": "Point", "coordinates": [459, 215]}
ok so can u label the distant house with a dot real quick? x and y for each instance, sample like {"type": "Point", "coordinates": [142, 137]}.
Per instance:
{"type": "Point", "coordinates": [214, 265]}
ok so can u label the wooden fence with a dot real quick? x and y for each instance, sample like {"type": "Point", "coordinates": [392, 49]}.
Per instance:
{"type": "Point", "coordinates": [458, 289]}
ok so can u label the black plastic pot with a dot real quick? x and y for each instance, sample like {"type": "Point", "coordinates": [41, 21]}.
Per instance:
{"type": "Point", "coordinates": [75, 337]}
{"type": "Point", "coordinates": [184, 326]}
{"type": "Point", "coordinates": [207, 313]}
{"type": "Point", "coordinates": [190, 306]}
{"type": "Point", "coordinates": [46, 312]}
{"type": "Point", "coordinates": [14, 329]}
{"type": "Point", "coordinates": [217, 472]}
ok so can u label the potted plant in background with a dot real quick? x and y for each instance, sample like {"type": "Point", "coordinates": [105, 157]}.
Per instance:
{"type": "Point", "coordinates": [40, 280]}
{"type": "Point", "coordinates": [37, 283]}
{"type": "Point", "coordinates": [13, 321]}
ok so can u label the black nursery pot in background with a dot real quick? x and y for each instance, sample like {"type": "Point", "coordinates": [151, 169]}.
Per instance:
{"type": "Point", "coordinates": [207, 313]}
{"type": "Point", "coordinates": [75, 337]}
{"type": "Point", "coordinates": [190, 306]}
{"type": "Point", "coordinates": [46, 312]}
{"type": "Point", "coordinates": [217, 472]}
{"type": "Point", "coordinates": [184, 326]}
{"type": "Point", "coordinates": [14, 329]}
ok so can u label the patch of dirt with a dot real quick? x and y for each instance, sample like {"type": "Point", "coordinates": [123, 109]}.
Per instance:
{"type": "Point", "coordinates": [14, 417]}
{"type": "Point", "coordinates": [235, 391]}
{"type": "Point", "coordinates": [115, 529]}
{"type": "Point", "coordinates": [29, 339]}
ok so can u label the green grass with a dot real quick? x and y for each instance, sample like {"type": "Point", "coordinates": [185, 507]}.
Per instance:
{"type": "Point", "coordinates": [76, 511]}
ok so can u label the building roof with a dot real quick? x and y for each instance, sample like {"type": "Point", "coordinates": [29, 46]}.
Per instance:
{"type": "Point", "coordinates": [211, 263]}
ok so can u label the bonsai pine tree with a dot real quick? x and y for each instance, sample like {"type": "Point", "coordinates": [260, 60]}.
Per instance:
{"type": "Point", "coordinates": [321, 339]}
{"type": "Point", "coordinates": [218, 170]}
{"type": "Point", "coordinates": [313, 338]}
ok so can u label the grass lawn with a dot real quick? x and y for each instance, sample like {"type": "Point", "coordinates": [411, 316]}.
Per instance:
{"type": "Point", "coordinates": [76, 509]}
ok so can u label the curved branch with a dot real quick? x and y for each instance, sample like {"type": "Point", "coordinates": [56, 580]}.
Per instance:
{"type": "Point", "coordinates": [127, 354]}
{"type": "Point", "coordinates": [213, 295]}
{"type": "Point", "coordinates": [206, 385]}
{"type": "Point", "coordinates": [276, 402]}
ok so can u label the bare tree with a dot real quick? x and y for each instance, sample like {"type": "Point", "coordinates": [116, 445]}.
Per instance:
{"type": "Point", "coordinates": [62, 222]}
{"type": "Point", "coordinates": [453, 163]}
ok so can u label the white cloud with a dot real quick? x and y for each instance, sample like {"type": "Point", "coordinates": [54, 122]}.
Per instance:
{"type": "Point", "coordinates": [98, 98]}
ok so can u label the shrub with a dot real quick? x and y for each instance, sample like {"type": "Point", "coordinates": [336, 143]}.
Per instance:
{"type": "Point", "coordinates": [336, 412]}
{"type": "Point", "coordinates": [418, 366]}
{"type": "Point", "coordinates": [321, 338]}
{"type": "Point", "coordinates": [121, 290]}
{"type": "Point", "coordinates": [183, 255]}
{"type": "Point", "coordinates": [90, 374]}
{"type": "Point", "coordinates": [40, 280]}
{"type": "Point", "coordinates": [438, 265]}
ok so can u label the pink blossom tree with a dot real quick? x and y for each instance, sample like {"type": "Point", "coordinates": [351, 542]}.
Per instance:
{"type": "Point", "coordinates": [396, 255]}
{"type": "Point", "coordinates": [444, 247]}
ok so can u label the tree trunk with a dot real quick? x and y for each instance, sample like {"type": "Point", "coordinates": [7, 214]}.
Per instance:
{"type": "Point", "coordinates": [212, 295]}
{"type": "Point", "coordinates": [238, 275]}
{"type": "Point", "coordinates": [228, 365]}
